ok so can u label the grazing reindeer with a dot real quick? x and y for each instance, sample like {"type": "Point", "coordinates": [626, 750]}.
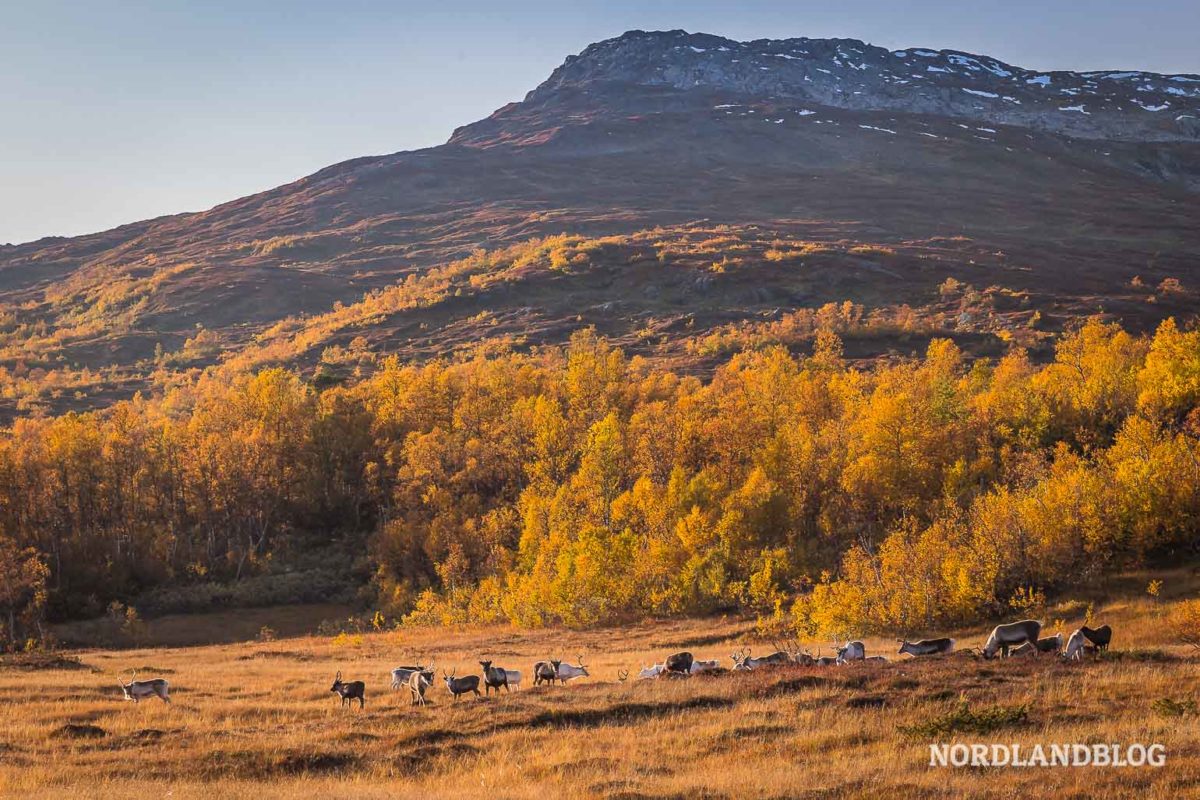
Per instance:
{"type": "Point", "coordinates": [349, 692]}
{"type": "Point", "coordinates": [1099, 636]}
{"type": "Point", "coordinates": [545, 672]}
{"type": "Point", "coordinates": [418, 682]}
{"type": "Point", "coordinates": [457, 686]}
{"type": "Point", "coordinates": [1078, 646]}
{"type": "Point", "coordinates": [135, 690]}
{"type": "Point", "coordinates": [1009, 634]}
{"type": "Point", "coordinates": [494, 678]}
{"type": "Point", "coordinates": [568, 671]}
{"type": "Point", "coordinates": [926, 647]}
{"type": "Point", "coordinates": [400, 675]}
{"type": "Point", "coordinates": [679, 662]}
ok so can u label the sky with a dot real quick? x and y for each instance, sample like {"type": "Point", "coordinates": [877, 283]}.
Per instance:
{"type": "Point", "coordinates": [121, 110]}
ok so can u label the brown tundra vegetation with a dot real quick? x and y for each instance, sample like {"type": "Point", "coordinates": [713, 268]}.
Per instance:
{"type": "Point", "coordinates": [256, 720]}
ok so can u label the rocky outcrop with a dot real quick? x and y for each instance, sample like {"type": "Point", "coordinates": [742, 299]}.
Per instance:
{"type": "Point", "coordinates": [849, 74]}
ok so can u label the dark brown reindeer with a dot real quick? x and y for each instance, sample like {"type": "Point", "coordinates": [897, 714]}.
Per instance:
{"type": "Point", "coordinates": [457, 686]}
{"type": "Point", "coordinates": [545, 672]}
{"type": "Point", "coordinates": [679, 662]}
{"type": "Point", "coordinates": [494, 678]}
{"type": "Point", "coordinates": [926, 647]}
{"type": "Point", "coordinates": [1101, 637]}
{"type": "Point", "coordinates": [349, 692]}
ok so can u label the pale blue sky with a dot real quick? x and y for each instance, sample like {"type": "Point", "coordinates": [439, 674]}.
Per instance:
{"type": "Point", "coordinates": [114, 111]}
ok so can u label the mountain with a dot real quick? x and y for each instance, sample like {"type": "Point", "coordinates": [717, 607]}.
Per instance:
{"type": "Point", "coordinates": [704, 194]}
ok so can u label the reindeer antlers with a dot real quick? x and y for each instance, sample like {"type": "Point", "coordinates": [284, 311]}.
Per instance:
{"type": "Point", "coordinates": [622, 675]}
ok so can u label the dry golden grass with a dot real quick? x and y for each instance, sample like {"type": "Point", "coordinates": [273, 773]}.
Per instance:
{"type": "Point", "coordinates": [257, 720]}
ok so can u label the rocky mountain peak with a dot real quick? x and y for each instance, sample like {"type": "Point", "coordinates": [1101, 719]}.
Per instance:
{"type": "Point", "coordinates": [850, 74]}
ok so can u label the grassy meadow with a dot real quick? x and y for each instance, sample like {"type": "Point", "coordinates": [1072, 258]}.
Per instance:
{"type": "Point", "coordinates": [257, 719]}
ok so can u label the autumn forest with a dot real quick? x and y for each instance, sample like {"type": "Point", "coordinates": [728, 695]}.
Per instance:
{"type": "Point", "coordinates": [575, 485]}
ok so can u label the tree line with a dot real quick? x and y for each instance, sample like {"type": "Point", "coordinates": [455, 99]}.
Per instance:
{"type": "Point", "coordinates": [575, 485]}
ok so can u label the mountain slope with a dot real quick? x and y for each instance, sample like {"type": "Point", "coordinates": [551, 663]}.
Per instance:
{"type": "Point", "coordinates": [710, 187]}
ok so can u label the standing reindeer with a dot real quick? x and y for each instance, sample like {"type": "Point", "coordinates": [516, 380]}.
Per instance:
{"type": "Point", "coordinates": [400, 675]}
{"type": "Point", "coordinates": [349, 692]}
{"type": "Point", "coordinates": [494, 678]}
{"type": "Point", "coordinates": [545, 672]}
{"type": "Point", "coordinates": [135, 690]}
{"type": "Point", "coordinates": [418, 682]}
{"type": "Point", "coordinates": [568, 671]}
{"type": "Point", "coordinates": [457, 686]}
{"type": "Point", "coordinates": [1011, 634]}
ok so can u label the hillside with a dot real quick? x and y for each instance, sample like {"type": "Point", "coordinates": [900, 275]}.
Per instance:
{"type": "Point", "coordinates": [701, 183]}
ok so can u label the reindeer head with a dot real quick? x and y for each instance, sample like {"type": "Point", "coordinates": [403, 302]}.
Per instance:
{"type": "Point", "coordinates": [337, 683]}
{"type": "Point", "coordinates": [487, 665]}
{"type": "Point", "coordinates": [126, 688]}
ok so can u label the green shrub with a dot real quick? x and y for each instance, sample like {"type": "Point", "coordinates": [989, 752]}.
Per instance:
{"type": "Point", "coordinates": [965, 720]}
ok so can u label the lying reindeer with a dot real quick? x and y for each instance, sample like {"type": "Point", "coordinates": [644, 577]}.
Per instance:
{"type": "Point", "coordinates": [135, 690]}
{"type": "Point", "coordinates": [652, 671]}
{"type": "Point", "coordinates": [926, 647]}
{"type": "Point", "coordinates": [744, 662]}
{"type": "Point", "coordinates": [679, 662]}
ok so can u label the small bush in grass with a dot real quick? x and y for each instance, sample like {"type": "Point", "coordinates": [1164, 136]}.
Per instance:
{"type": "Point", "coordinates": [1184, 623]}
{"type": "Point", "coordinates": [964, 719]}
{"type": "Point", "coordinates": [1166, 707]}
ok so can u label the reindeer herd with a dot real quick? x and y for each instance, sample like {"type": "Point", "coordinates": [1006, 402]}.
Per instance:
{"type": "Point", "coordinates": [1011, 639]}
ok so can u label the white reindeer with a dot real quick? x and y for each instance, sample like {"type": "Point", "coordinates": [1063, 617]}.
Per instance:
{"type": "Point", "coordinates": [568, 671]}
{"type": "Point", "coordinates": [652, 671]}
{"type": "Point", "coordinates": [135, 690]}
